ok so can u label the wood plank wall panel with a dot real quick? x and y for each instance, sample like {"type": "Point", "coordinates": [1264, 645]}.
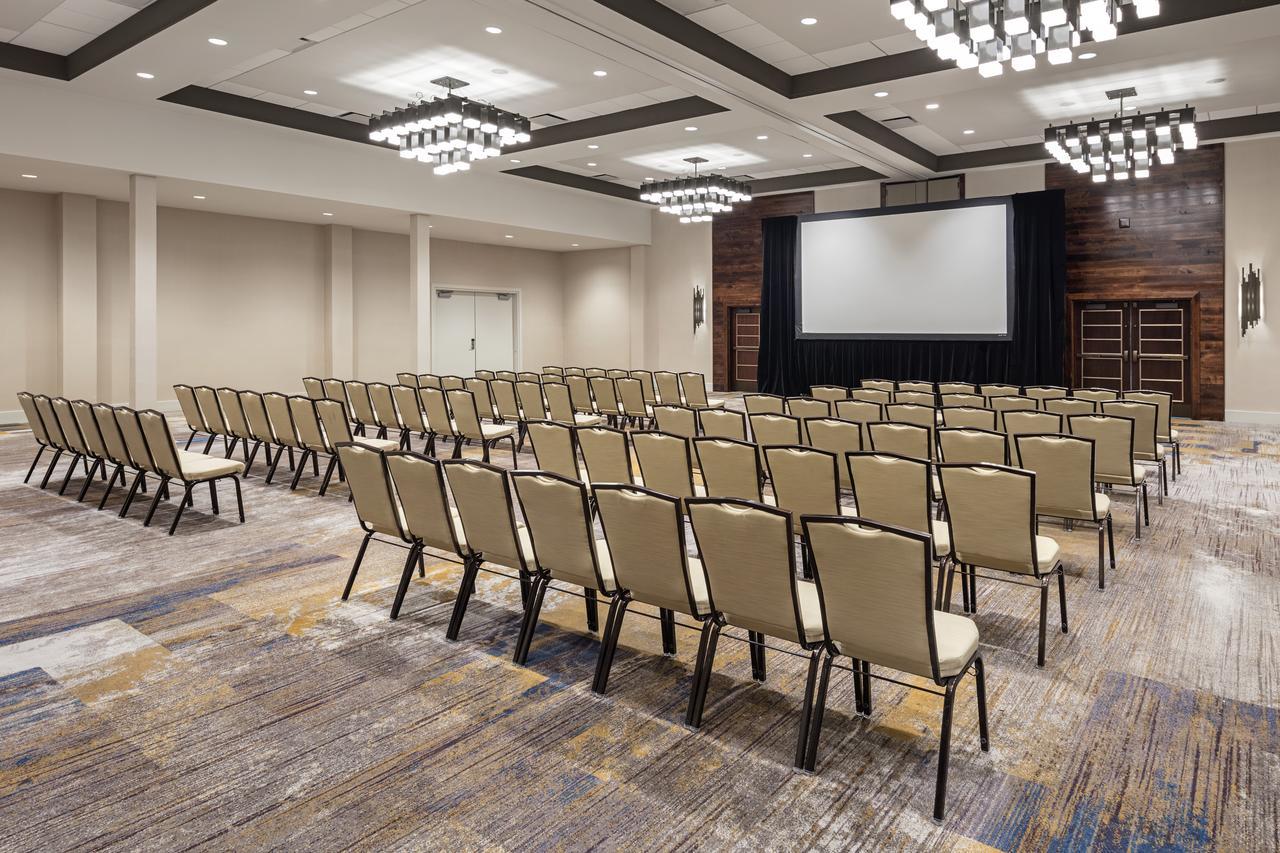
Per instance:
{"type": "Point", "coordinates": [1175, 247]}
{"type": "Point", "coordinates": [737, 262]}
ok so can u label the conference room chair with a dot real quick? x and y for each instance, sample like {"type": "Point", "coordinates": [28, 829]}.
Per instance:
{"type": "Point", "coordinates": [41, 435]}
{"type": "Point", "coordinates": [1025, 422]}
{"type": "Point", "coordinates": [101, 457]}
{"type": "Point", "coordinates": [904, 439]}
{"type": "Point", "coordinates": [606, 454]}
{"type": "Point", "coordinates": [337, 430]}
{"type": "Point", "coordinates": [410, 379]}
{"type": "Point", "coordinates": [505, 375]}
{"type": "Point", "coordinates": [336, 389]}
{"type": "Point", "coordinates": [561, 407]}
{"type": "Point", "coordinates": [916, 387]}
{"type": "Point", "coordinates": [377, 509]}
{"type": "Point", "coordinates": [972, 446]}
{"type": "Point", "coordinates": [479, 388]}
{"type": "Point", "coordinates": [533, 406]}
{"type": "Point", "coordinates": [466, 416]}
{"type": "Point", "coordinates": [528, 376]}
{"type": "Point", "coordinates": [764, 404]}
{"type": "Point", "coordinates": [1044, 392]}
{"type": "Point", "coordinates": [314, 386]}
{"type": "Point", "coordinates": [631, 396]}
{"type": "Point", "coordinates": [993, 527]}
{"type": "Point", "coordinates": [1097, 395]}
{"type": "Point", "coordinates": [593, 372]}
{"type": "Point", "coordinates": [130, 427]}
{"type": "Point", "coordinates": [749, 561]}
{"type": "Point", "coordinates": [1000, 389]}
{"type": "Point", "coordinates": [278, 413]}
{"type": "Point", "coordinates": [913, 413]}
{"type": "Point", "coordinates": [117, 451]}
{"type": "Point", "coordinates": [489, 533]}
{"type": "Point", "coordinates": [730, 469]}
{"type": "Point", "coordinates": [647, 386]}
{"type": "Point", "coordinates": [506, 406]}
{"type": "Point", "coordinates": [668, 388]}
{"type": "Point", "coordinates": [551, 377]}
{"type": "Point", "coordinates": [806, 481]}
{"type": "Point", "coordinates": [1012, 403]}
{"type": "Point", "coordinates": [580, 395]}
{"type": "Point", "coordinates": [869, 578]}
{"type": "Point", "coordinates": [665, 461]}
{"type": "Point", "coordinates": [644, 533]}
{"type": "Point", "coordinates": [837, 437]}
{"type": "Point", "coordinates": [1068, 406]}
{"type": "Point", "coordinates": [608, 404]}
{"type": "Point", "coordinates": [189, 469]}
{"type": "Point", "coordinates": [440, 421]}
{"type": "Point", "coordinates": [723, 423]}
{"type": "Point", "coordinates": [315, 442]}
{"type": "Point", "coordinates": [553, 369]}
{"type": "Point", "coordinates": [554, 448]}
{"type": "Point", "coordinates": [771, 430]}
{"type": "Point", "coordinates": [426, 518]}
{"type": "Point", "coordinates": [830, 393]}
{"type": "Point", "coordinates": [59, 411]}
{"type": "Point", "coordinates": [897, 490]}
{"type": "Point", "coordinates": [808, 407]}
{"type": "Point", "coordinates": [886, 385]}
{"type": "Point", "coordinates": [957, 388]}
{"type": "Point", "coordinates": [360, 407]}
{"type": "Point", "coordinates": [192, 415]}
{"type": "Point", "coordinates": [412, 420]}
{"type": "Point", "coordinates": [237, 424]}
{"type": "Point", "coordinates": [1165, 433]}
{"type": "Point", "coordinates": [953, 399]}
{"type": "Point", "coordinates": [486, 375]}
{"type": "Point", "coordinates": [617, 373]}
{"type": "Point", "coordinates": [1064, 469]}
{"type": "Point", "coordinates": [565, 549]}
{"type": "Point", "coordinates": [264, 438]}
{"type": "Point", "coordinates": [211, 411]}
{"type": "Point", "coordinates": [677, 420]}
{"type": "Point", "coordinates": [872, 395]}
{"type": "Point", "coordinates": [693, 387]}
{"type": "Point", "coordinates": [1147, 450]}
{"type": "Point", "coordinates": [429, 380]}
{"type": "Point", "coordinates": [977, 417]}
{"type": "Point", "coordinates": [453, 383]}
{"type": "Point", "coordinates": [575, 371]}
{"type": "Point", "coordinates": [918, 398]}
{"type": "Point", "coordinates": [862, 411]}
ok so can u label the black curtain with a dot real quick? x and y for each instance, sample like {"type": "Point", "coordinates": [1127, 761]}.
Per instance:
{"type": "Point", "coordinates": [1033, 356]}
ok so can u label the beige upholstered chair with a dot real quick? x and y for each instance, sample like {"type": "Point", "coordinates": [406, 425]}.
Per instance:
{"type": "Point", "coordinates": [506, 375]}
{"type": "Point", "coordinates": [411, 417]}
{"type": "Point", "coordinates": [904, 439]}
{"type": "Point", "coordinates": [634, 408]}
{"type": "Point", "coordinates": [836, 437]}
{"type": "Point", "coordinates": [338, 431]}
{"type": "Point", "coordinates": [479, 388]}
{"type": "Point", "coordinates": [668, 388]}
{"type": "Point", "coordinates": [677, 420]}
{"type": "Point", "coordinates": [558, 518]}
{"type": "Point", "coordinates": [38, 432]}
{"type": "Point", "coordinates": [99, 454]}
{"type": "Point", "coordinates": [507, 406]}
{"type": "Point", "coordinates": [1045, 392]}
{"type": "Point", "coordinates": [486, 375]}
{"type": "Point", "coordinates": [314, 386]}
{"type": "Point", "coordinates": [805, 481]}
{"type": "Point", "coordinates": [976, 401]}
{"type": "Point", "coordinates": [575, 371]}
{"type": "Point", "coordinates": [1097, 395]}
{"type": "Point", "coordinates": [749, 561]}
{"type": "Point", "coordinates": [212, 412]}
{"type": "Point", "coordinates": [410, 379]}
{"type": "Point", "coordinates": [533, 407]}
{"type": "Point", "coordinates": [594, 372]}
{"type": "Point", "coordinates": [1000, 390]}
{"type": "Point", "coordinates": [264, 438]}
{"type": "Point", "coordinates": [830, 393]}
{"type": "Point", "coordinates": [887, 385]}
{"type": "Point", "coordinates": [440, 423]}
{"type": "Point", "coordinates": [80, 453]}
{"type": "Point", "coordinates": [874, 585]}
{"type": "Point", "coordinates": [490, 534]}
{"type": "Point", "coordinates": [1114, 463]}
{"type": "Point", "coordinates": [452, 383]}
{"type": "Point", "coordinates": [764, 404]}
{"type": "Point", "coordinates": [897, 490]}
{"type": "Point", "coordinates": [1012, 403]}
{"type": "Point", "coordinates": [425, 515]}
{"type": "Point", "coordinates": [872, 395]}
{"type": "Point", "coordinates": [189, 469]}
{"type": "Point", "coordinates": [312, 436]}
{"type": "Point", "coordinates": [1026, 422]}
{"type": "Point", "coordinates": [912, 413]}
{"type": "Point", "coordinates": [551, 377]}
{"type": "Point", "coordinates": [918, 398]}
{"type": "Point", "coordinates": [606, 454]}
{"type": "Point", "coordinates": [693, 387]}
{"type": "Point", "coordinates": [561, 407]}
{"type": "Point", "coordinates": [958, 388]}
{"type": "Point", "coordinates": [281, 420]}
{"type": "Point", "coordinates": [993, 526]}
{"type": "Point", "coordinates": [191, 413]}
{"type": "Point", "coordinates": [647, 386]}
{"type": "Point", "coordinates": [528, 376]}
{"type": "Point", "coordinates": [385, 414]}
{"type": "Point", "coordinates": [730, 469]}
{"type": "Point", "coordinates": [336, 389]}
{"type": "Point", "coordinates": [1063, 465]}
{"type": "Point", "coordinates": [1068, 406]}
{"type": "Point", "coordinates": [117, 450]}
{"type": "Point", "coordinates": [130, 427]}
{"type": "Point", "coordinates": [554, 449]}
{"type": "Point", "coordinates": [377, 508]}
{"type": "Point", "coordinates": [1146, 447]}
{"type": "Point", "coordinates": [234, 418]}
{"type": "Point", "coordinates": [723, 423]}
{"type": "Point", "coordinates": [429, 380]}
{"type": "Point", "coordinates": [644, 531]}
{"type": "Point", "coordinates": [972, 446]}
{"type": "Point", "coordinates": [769, 429]}
{"type": "Point", "coordinates": [606, 397]}
{"type": "Point", "coordinates": [862, 411]}
{"type": "Point", "coordinates": [808, 407]}
{"type": "Point", "coordinates": [666, 463]}
{"type": "Point", "coordinates": [1165, 433]}
{"type": "Point", "coordinates": [360, 407]}
{"type": "Point", "coordinates": [617, 373]}
{"type": "Point", "coordinates": [465, 415]}
{"type": "Point", "coordinates": [916, 386]}
{"type": "Point", "coordinates": [969, 416]}
{"type": "Point", "coordinates": [553, 369]}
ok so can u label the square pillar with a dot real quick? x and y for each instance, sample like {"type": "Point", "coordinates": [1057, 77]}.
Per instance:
{"type": "Point", "coordinates": [78, 296]}
{"type": "Point", "coordinates": [339, 303]}
{"type": "Point", "coordinates": [420, 290]}
{"type": "Point", "coordinates": [142, 289]}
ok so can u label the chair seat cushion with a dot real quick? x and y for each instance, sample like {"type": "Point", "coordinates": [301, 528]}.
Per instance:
{"type": "Point", "coordinates": [1139, 474]}
{"type": "Point", "coordinates": [199, 466]}
{"type": "Point", "coordinates": [379, 444]}
{"type": "Point", "coordinates": [956, 638]}
{"type": "Point", "coordinates": [493, 431]}
{"type": "Point", "coordinates": [1101, 504]}
{"type": "Point", "coordinates": [941, 538]}
{"type": "Point", "coordinates": [1046, 553]}
{"type": "Point", "coordinates": [810, 610]}
{"type": "Point", "coordinates": [587, 420]}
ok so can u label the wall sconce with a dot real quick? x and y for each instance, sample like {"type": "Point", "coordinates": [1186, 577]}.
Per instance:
{"type": "Point", "coordinates": [1251, 307]}
{"type": "Point", "coordinates": [699, 308]}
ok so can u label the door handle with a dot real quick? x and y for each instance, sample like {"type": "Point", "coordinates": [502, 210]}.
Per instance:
{"type": "Point", "coordinates": [473, 344]}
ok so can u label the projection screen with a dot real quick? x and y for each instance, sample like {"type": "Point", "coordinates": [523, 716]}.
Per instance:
{"type": "Point", "coordinates": [927, 272]}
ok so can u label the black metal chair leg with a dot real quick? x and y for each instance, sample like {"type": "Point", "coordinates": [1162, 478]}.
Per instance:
{"type": "Point", "coordinates": [1102, 557]}
{"type": "Point", "coordinates": [946, 596]}
{"type": "Point", "coordinates": [530, 622]}
{"type": "Point", "coordinates": [609, 641]}
{"type": "Point", "coordinates": [593, 615]}
{"type": "Point", "coordinates": [469, 571]}
{"type": "Point", "coordinates": [275, 463]}
{"type": "Point", "coordinates": [1044, 611]}
{"type": "Point", "coordinates": [31, 470]}
{"type": "Point", "coordinates": [53, 463]}
{"type": "Point", "coordinates": [944, 752]}
{"type": "Point", "coordinates": [1062, 597]}
{"type": "Point", "coordinates": [213, 495]}
{"type": "Point", "coordinates": [190, 438]}
{"type": "Point", "coordinates": [84, 490]}
{"type": "Point", "coordinates": [405, 576]}
{"type": "Point", "coordinates": [253, 454]}
{"type": "Point", "coordinates": [182, 505]}
{"type": "Point", "coordinates": [806, 709]}
{"type": "Point", "coordinates": [355, 567]}
{"type": "Point", "coordinates": [155, 501]}
{"type": "Point", "coordinates": [980, 677]}
{"type": "Point", "coordinates": [819, 710]}
{"type": "Point", "coordinates": [71, 469]}
{"type": "Point", "coordinates": [297, 473]}
{"type": "Point", "coordinates": [668, 620]}
{"type": "Point", "coordinates": [328, 474]}
{"type": "Point", "coordinates": [1111, 542]}
{"type": "Point", "coordinates": [133, 491]}
{"type": "Point", "coordinates": [239, 498]}
{"type": "Point", "coordinates": [118, 471]}
{"type": "Point", "coordinates": [973, 588]}
{"type": "Point", "coordinates": [515, 454]}
{"type": "Point", "coordinates": [702, 673]}
{"type": "Point", "coordinates": [866, 687]}
{"type": "Point", "coordinates": [755, 642]}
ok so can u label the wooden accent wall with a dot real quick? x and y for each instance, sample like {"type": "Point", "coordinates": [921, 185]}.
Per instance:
{"type": "Point", "coordinates": [1174, 248]}
{"type": "Point", "coordinates": [737, 263]}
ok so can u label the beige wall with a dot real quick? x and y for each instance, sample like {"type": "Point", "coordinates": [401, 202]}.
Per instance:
{"type": "Point", "coordinates": [597, 308]}
{"type": "Point", "coordinates": [678, 262]}
{"type": "Point", "coordinates": [380, 296]}
{"type": "Point", "coordinates": [29, 337]}
{"type": "Point", "coordinates": [1253, 236]}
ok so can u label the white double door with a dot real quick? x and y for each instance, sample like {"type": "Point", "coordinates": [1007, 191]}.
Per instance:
{"type": "Point", "coordinates": [471, 331]}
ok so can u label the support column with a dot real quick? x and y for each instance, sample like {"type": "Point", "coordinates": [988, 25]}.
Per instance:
{"type": "Point", "coordinates": [142, 287]}
{"type": "Point", "coordinates": [420, 290]}
{"type": "Point", "coordinates": [339, 304]}
{"type": "Point", "coordinates": [78, 296]}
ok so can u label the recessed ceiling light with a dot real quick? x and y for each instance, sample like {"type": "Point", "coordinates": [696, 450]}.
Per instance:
{"type": "Point", "coordinates": [1218, 80]}
{"type": "Point", "coordinates": [648, 179]}
{"type": "Point", "coordinates": [198, 197]}
{"type": "Point", "coordinates": [493, 31]}
{"type": "Point", "coordinates": [930, 106]}
{"type": "Point", "coordinates": [515, 161]}
{"type": "Point", "coordinates": [691, 128]}
{"type": "Point", "coordinates": [599, 72]}
{"type": "Point", "coordinates": [31, 177]}
{"type": "Point", "coordinates": [574, 245]}
{"type": "Point", "coordinates": [216, 42]}
{"type": "Point", "coordinates": [326, 214]}
{"type": "Point", "coordinates": [970, 132]}
{"type": "Point", "coordinates": [145, 76]}
{"type": "Point", "coordinates": [593, 147]}
{"type": "Point", "coordinates": [807, 155]}
{"type": "Point", "coordinates": [762, 137]}
{"type": "Point", "coordinates": [1089, 55]}
{"type": "Point", "coordinates": [310, 92]}
{"type": "Point", "coordinates": [591, 164]}
{"type": "Point", "coordinates": [509, 236]}
{"type": "Point", "coordinates": [808, 22]}
{"type": "Point", "coordinates": [882, 94]}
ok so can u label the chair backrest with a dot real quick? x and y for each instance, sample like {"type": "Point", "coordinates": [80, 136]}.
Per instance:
{"type": "Point", "coordinates": [89, 430]}
{"type": "Point", "coordinates": [505, 403]}
{"type": "Point", "coordinates": [233, 412]}
{"type": "Point", "coordinates": [554, 369]}
{"type": "Point", "coordinates": [410, 407]}
{"type": "Point", "coordinates": [1097, 395]}
{"type": "Point", "coordinates": [424, 505]}
{"type": "Point", "coordinates": [805, 481]}
{"type": "Point", "coordinates": [384, 406]}
{"type": "Point", "coordinates": [255, 414]}
{"type": "Point", "coordinates": [1025, 422]}
{"type": "Point", "coordinates": [976, 401]}
{"type": "Point", "coordinates": [580, 394]}
{"type": "Point", "coordinates": [1145, 423]}
{"type": "Point", "coordinates": [134, 440]}
{"type": "Point", "coordinates": [957, 388]}
{"type": "Point", "coordinates": [730, 469]}
{"type": "Point", "coordinates": [1045, 392]}
{"type": "Point", "coordinates": [67, 423]}
{"type": "Point", "coordinates": [44, 408]}
{"type": "Point", "coordinates": [764, 404]}
{"type": "Point", "coordinates": [836, 437]}
{"type": "Point", "coordinates": [631, 392]}
{"type": "Point", "coordinates": [336, 389]}
{"type": "Point", "coordinates": [677, 420]}
{"type": "Point", "coordinates": [605, 453]}
{"type": "Point", "coordinates": [553, 448]}
{"type": "Point", "coordinates": [482, 495]}
{"type": "Point", "coordinates": [210, 410]}
{"type": "Point", "coordinates": [360, 406]}
{"type": "Point", "coordinates": [912, 413]}
{"type": "Point", "coordinates": [808, 407]}
{"type": "Point", "coordinates": [429, 380]}
{"type": "Point", "coordinates": [452, 383]}
{"type": "Point", "coordinates": [593, 372]}
{"type": "Point", "coordinates": [694, 388]}
{"type": "Point", "coordinates": [874, 589]}
{"type": "Point", "coordinates": [668, 388]}
{"type": "Point", "coordinates": [862, 411]}
{"type": "Point", "coordinates": [901, 438]}
{"type": "Point", "coordinates": [1067, 406]}
{"type": "Point", "coordinates": [749, 564]}
{"type": "Point", "coordinates": [918, 386]}
{"type": "Point", "coordinates": [1012, 403]}
{"type": "Point", "coordinates": [723, 423]}
{"type": "Point", "coordinates": [371, 489]}
{"type": "Point", "coordinates": [306, 421]}
{"type": "Point", "coordinates": [891, 489]}
{"type": "Point", "coordinates": [559, 403]}
{"type": "Point", "coordinates": [998, 389]}
{"type": "Point", "coordinates": [606, 395]}
{"type": "Point", "coordinates": [410, 379]}
{"type": "Point", "coordinates": [277, 406]}
{"type": "Point", "coordinates": [644, 530]}
{"type": "Point", "coordinates": [616, 373]}
{"type": "Point", "coordinates": [880, 384]}
{"type": "Point", "coordinates": [993, 516]}
{"type": "Point", "coordinates": [830, 393]}
{"type": "Point", "coordinates": [969, 416]}
{"type": "Point", "coordinates": [314, 386]}
{"type": "Point", "coordinates": [436, 407]}
{"type": "Point", "coordinates": [531, 402]}
{"type": "Point", "coordinates": [872, 395]}
{"type": "Point", "coordinates": [462, 403]}
{"type": "Point", "coordinates": [155, 428]}
{"type": "Point", "coordinates": [558, 518]}
{"type": "Point", "coordinates": [972, 446]}
{"type": "Point", "coordinates": [333, 417]}
{"type": "Point", "coordinates": [191, 408]}
{"type": "Point", "coordinates": [27, 401]}
{"type": "Point", "coordinates": [666, 462]}
{"type": "Point", "coordinates": [485, 374]}
{"type": "Point", "coordinates": [1163, 401]}
{"type": "Point", "coordinates": [479, 388]}
{"type": "Point", "coordinates": [1063, 465]}
{"type": "Point", "coordinates": [919, 398]}
{"type": "Point", "coordinates": [647, 387]}
{"type": "Point", "coordinates": [117, 450]}
{"type": "Point", "coordinates": [776, 430]}
{"type": "Point", "coordinates": [528, 376]}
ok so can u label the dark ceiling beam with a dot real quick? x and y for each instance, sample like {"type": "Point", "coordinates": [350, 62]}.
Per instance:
{"type": "Point", "coordinates": [575, 181]}
{"type": "Point", "coordinates": [1229, 128]}
{"type": "Point", "coordinates": [681, 109]}
{"type": "Point", "coordinates": [885, 137]}
{"type": "Point", "coordinates": [966, 160]}
{"type": "Point", "coordinates": [868, 72]}
{"type": "Point", "coordinates": [812, 180]}
{"type": "Point", "coordinates": [28, 60]}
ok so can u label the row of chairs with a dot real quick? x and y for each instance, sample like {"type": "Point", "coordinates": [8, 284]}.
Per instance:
{"type": "Point", "coordinates": [129, 442]}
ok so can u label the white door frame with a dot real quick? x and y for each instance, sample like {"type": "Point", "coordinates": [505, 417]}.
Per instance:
{"type": "Point", "coordinates": [517, 312]}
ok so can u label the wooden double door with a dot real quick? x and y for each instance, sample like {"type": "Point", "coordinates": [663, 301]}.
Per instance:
{"type": "Point", "coordinates": [744, 348]}
{"type": "Point", "coordinates": [1135, 345]}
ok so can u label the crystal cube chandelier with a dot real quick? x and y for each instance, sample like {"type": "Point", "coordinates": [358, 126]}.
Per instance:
{"type": "Point", "coordinates": [1123, 146]}
{"type": "Point", "coordinates": [696, 198]}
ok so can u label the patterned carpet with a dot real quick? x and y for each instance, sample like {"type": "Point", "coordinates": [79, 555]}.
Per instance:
{"type": "Point", "coordinates": [212, 690]}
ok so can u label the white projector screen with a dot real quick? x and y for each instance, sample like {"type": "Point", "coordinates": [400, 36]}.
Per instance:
{"type": "Point", "coordinates": [931, 273]}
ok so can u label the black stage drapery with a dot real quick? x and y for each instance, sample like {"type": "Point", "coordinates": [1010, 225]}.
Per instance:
{"type": "Point", "coordinates": [1034, 355]}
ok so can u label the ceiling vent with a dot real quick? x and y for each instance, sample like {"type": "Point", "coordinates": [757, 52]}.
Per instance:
{"type": "Point", "coordinates": [900, 122]}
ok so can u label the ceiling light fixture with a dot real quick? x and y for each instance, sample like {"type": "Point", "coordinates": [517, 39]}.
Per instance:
{"type": "Point", "coordinates": [970, 132]}
{"type": "Point", "coordinates": [31, 177]}
{"type": "Point", "coordinates": [574, 245]}
{"type": "Point", "coordinates": [198, 197]}
{"type": "Point", "coordinates": [217, 42]}
{"type": "Point", "coordinates": [600, 73]}
{"type": "Point", "coordinates": [515, 161]}
{"type": "Point", "coordinates": [808, 22]}
{"type": "Point", "coordinates": [146, 76]}
{"type": "Point", "coordinates": [696, 198]}
{"type": "Point", "coordinates": [326, 214]}
{"type": "Point", "coordinates": [930, 106]}
{"type": "Point", "coordinates": [691, 128]}
{"type": "Point", "coordinates": [493, 31]}
{"type": "Point", "coordinates": [882, 94]}
{"type": "Point", "coordinates": [450, 131]}
{"type": "Point", "coordinates": [985, 34]}
{"type": "Point", "coordinates": [1123, 145]}
{"type": "Point", "coordinates": [1089, 55]}
{"type": "Point", "coordinates": [310, 92]}
{"type": "Point", "coordinates": [762, 137]}
{"type": "Point", "coordinates": [593, 146]}
{"type": "Point", "coordinates": [591, 164]}
{"type": "Point", "coordinates": [509, 236]}
{"type": "Point", "coordinates": [806, 156]}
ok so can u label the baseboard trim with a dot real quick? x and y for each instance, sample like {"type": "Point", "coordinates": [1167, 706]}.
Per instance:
{"type": "Point", "coordinates": [14, 417]}
{"type": "Point", "coordinates": [1242, 416]}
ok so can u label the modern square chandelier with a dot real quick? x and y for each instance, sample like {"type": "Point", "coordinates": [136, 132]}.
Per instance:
{"type": "Point", "coordinates": [696, 198]}
{"type": "Point", "coordinates": [1123, 146]}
